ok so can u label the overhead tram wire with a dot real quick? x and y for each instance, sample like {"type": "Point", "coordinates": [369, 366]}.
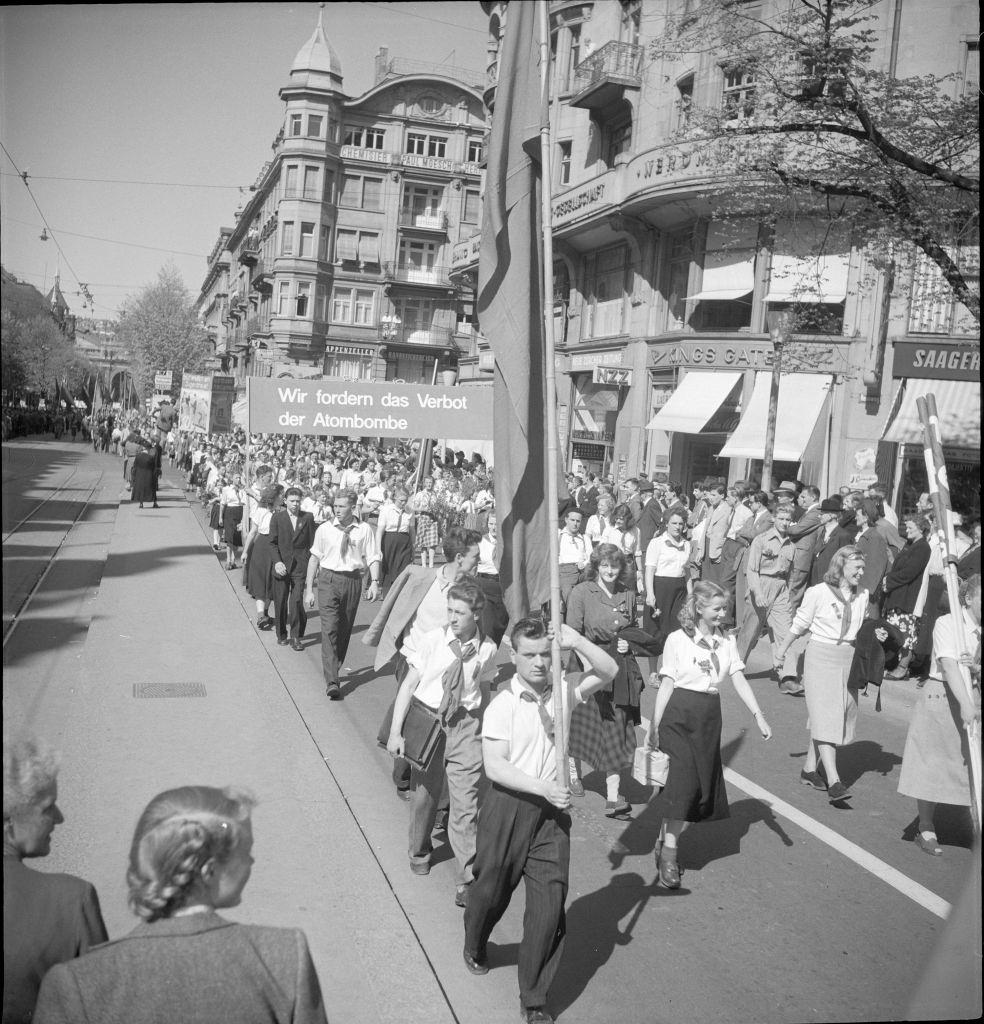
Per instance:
{"type": "Point", "coordinates": [125, 181]}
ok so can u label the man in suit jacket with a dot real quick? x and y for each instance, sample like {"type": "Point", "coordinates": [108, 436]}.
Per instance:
{"type": "Point", "coordinates": [651, 517]}
{"type": "Point", "coordinates": [291, 537]}
{"type": "Point", "coordinates": [829, 539]}
{"type": "Point", "coordinates": [718, 521]}
{"type": "Point", "coordinates": [803, 534]}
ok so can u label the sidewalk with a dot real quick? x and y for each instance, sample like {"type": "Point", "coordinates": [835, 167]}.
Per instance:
{"type": "Point", "coordinates": [161, 618]}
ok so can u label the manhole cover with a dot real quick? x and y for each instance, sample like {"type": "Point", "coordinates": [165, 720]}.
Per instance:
{"type": "Point", "coordinates": [169, 690]}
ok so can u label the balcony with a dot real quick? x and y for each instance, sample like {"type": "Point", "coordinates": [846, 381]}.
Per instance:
{"type": "Point", "coordinates": [424, 220]}
{"type": "Point", "coordinates": [249, 252]}
{"type": "Point", "coordinates": [411, 334]}
{"type": "Point", "coordinates": [261, 276]}
{"type": "Point", "coordinates": [601, 79]}
{"type": "Point", "coordinates": [431, 277]}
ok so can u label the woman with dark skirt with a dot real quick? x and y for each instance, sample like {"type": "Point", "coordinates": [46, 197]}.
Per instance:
{"type": "Point", "coordinates": [667, 575]}
{"type": "Point", "coordinates": [258, 558]}
{"type": "Point", "coordinates": [687, 719]}
{"type": "Point", "coordinates": [902, 585]}
{"type": "Point", "coordinates": [602, 730]}
{"type": "Point", "coordinates": [394, 536]}
{"type": "Point", "coordinates": [144, 475]}
{"type": "Point", "coordinates": [232, 501]}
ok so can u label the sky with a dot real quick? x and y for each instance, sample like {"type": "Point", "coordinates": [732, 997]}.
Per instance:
{"type": "Point", "coordinates": [179, 94]}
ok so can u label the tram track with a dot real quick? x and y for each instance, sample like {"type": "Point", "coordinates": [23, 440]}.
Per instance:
{"type": "Point", "coordinates": [37, 508]}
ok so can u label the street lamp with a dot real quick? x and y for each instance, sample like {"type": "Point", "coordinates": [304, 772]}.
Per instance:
{"type": "Point", "coordinates": [780, 330]}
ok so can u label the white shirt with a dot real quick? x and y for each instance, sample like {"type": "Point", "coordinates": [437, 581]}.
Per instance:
{"type": "Point", "coordinates": [392, 520]}
{"type": "Point", "coordinates": [687, 660]}
{"type": "Point", "coordinates": [508, 717]}
{"type": "Point", "coordinates": [261, 519]}
{"type": "Point", "coordinates": [741, 515]}
{"type": "Point", "coordinates": [829, 618]}
{"type": "Point", "coordinates": [945, 640]}
{"type": "Point", "coordinates": [362, 550]}
{"type": "Point", "coordinates": [434, 657]}
{"type": "Point", "coordinates": [574, 549]}
{"type": "Point", "coordinates": [667, 557]}
{"type": "Point", "coordinates": [626, 541]}
{"type": "Point", "coordinates": [232, 496]}
{"type": "Point", "coordinates": [486, 557]}
{"type": "Point", "coordinates": [431, 614]}
{"type": "Point", "coordinates": [595, 527]}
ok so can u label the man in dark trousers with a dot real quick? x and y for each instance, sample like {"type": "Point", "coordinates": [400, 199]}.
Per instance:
{"type": "Point", "coordinates": [651, 517]}
{"type": "Point", "coordinates": [291, 537]}
{"type": "Point", "coordinates": [524, 826]}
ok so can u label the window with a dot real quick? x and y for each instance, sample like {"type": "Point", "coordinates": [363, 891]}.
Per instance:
{"type": "Point", "coordinates": [304, 298]}
{"type": "Point", "coordinates": [739, 93]}
{"type": "Point", "coordinates": [424, 321]}
{"type": "Point", "coordinates": [724, 299]}
{"type": "Point", "coordinates": [618, 140]}
{"type": "Point", "coordinates": [315, 123]}
{"type": "Point", "coordinates": [365, 307]}
{"type": "Point", "coordinates": [573, 55]}
{"type": "Point", "coordinates": [353, 306]}
{"type": "Point", "coordinates": [972, 69]}
{"type": "Point", "coordinates": [932, 306]}
{"type": "Point", "coordinates": [475, 154]}
{"type": "Point", "coordinates": [287, 238]}
{"type": "Point", "coordinates": [564, 163]}
{"type": "Point", "coordinates": [374, 138]}
{"type": "Point", "coordinates": [630, 21]}
{"type": "Point", "coordinates": [418, 255]}
{"type": "Point", "coordinates": [357, 246]}
{"type": "Point", "coordinates": [295, 125]}
{"type": "Point", "coordinates": [323, 243]}
{"type": "Point", "coordinates": [348, 367]}
{"type": "Point", "coordinates": [606, 276]}
{"type": "Point", "coordinates": [283, 298]}
{"type": "Point", "coordinates": [416, 143]}
{"type": "Point", "coordinates": [341, 305]}
{"type": "Point", "coordinates": [423, 205]}
{"type": "Point", "coordinates": [364, 138]}
{"type": "Point", "coordinates": [307, 240]}
{"type": "Point", "coordinates": [362, 192]}
{"type": "Point", "coordinates": [426, 145]}
{"type": "Point", "coordinates": [684, 101]}
{"type": "Point", "coordinates": [473, 206]}
{"type": "Point", "coordinates": [436, 146]}
{"type": "Point", "coordinates": [290, 181]}
{"type": "Point", "coordinates": [431, 106]}
{"type": "Point", "coordinates": [312, 179]}
{"type": "Point", "coordinates": [681, 258]}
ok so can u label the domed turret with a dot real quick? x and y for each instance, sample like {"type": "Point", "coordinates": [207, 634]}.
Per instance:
{"type": "Point", "coordinates": [316, 64]}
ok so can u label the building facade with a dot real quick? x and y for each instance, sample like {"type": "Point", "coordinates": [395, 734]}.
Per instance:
{"type": "Point", "coordinates": [662, 313]}
{"type": "Point", "coordinates": [338, 264]}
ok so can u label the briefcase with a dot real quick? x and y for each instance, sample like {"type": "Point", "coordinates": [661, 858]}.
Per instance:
{"type": "Point", "coordinates": [421, 732]}
{"type": "Point", "coordinates": [650, 767]}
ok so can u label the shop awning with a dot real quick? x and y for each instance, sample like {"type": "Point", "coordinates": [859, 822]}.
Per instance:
{"type": "Point", "coordinates": [808, 264]}
{"type": "Point", "coordinates": [729, 272]}
{"type": "Point", "coordinates": [696, 399]}
{"type": "Point", "coordinates": [958, 403]}
{"type": "Point", "coordinates": [801, 399]}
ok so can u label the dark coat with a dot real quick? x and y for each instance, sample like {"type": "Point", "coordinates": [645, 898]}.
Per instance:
{"type": "Point", "coordinates": [143, 476]}
{"type": "Point", "coordinates": [904, 579]}
{"type": "Point", "coordinates": [198, 969]}
{"type": "Point", "coordinates": [47, 919]}
{"type": "Point", "coordinates": [290, 546]}
{"type": "Point", "coordinates": [875, 550]}
{"type": "Point", "coordinates": [650, 522]}
{"type": "Point", "coordinates": [824, 551]}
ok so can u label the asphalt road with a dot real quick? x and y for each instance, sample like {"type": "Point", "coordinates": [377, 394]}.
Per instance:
{"type": "Point", "coordinates": [792, 910]}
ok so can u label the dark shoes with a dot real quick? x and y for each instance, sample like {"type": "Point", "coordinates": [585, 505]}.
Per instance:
{"type": "Point", "coordinates": [264, 622]}
{"type": "Point", "coordinates": [669, 870]}
{"type": "Point", "coordinates": [617, 808]}
{"type": "Point", "coordinates": [295, 644]}
{"type": "Point", "coordinates": [282, 641]}
{"type": "Point", "coordinates": [837, 791]}
{"type": "Point", "coordinates": [812, 779]}
{"type": "Point", "coordinates": [790, 687]}
{"type": "Point", "coordinates": [535, 1015]}
{"type": "Point", "coordinates": [475, 964]}
{"type": "Point", "coordinates": [333, 691]}
{"type": "Point", "coordinates": [461, 896]}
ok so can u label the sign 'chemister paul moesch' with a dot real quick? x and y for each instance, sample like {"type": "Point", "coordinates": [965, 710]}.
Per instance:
{"type": "Point", "coordinates": [341, 408]}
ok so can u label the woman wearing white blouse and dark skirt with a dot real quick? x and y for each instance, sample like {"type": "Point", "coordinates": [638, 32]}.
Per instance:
{"type": "Point", "coordinates": [832, 612]}
{"type": "Point", "coordinates": [687, 719]}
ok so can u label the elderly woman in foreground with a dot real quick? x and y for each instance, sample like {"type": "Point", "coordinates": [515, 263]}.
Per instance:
{"type": "Point", "coordinates": [47, 918]}
{"type": "Point", "coordinates": [191, 855]}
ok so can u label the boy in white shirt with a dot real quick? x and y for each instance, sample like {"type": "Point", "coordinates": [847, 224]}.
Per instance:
{"type": "Point", "coordinates": [451, 672]}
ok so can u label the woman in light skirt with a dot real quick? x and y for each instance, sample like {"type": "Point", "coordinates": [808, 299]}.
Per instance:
{"type": "Point", "coordinates": [832, 612]}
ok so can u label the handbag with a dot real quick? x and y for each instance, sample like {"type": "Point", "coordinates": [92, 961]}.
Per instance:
{"type": "Point", "coordinates": [421, 732]}
{"type": "Point", "coordinates": [650, 766]}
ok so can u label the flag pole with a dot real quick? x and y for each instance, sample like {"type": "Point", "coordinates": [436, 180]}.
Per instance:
{"type": "Point", "coordinates": [550, 388]}
{"type": "Point", "coordinates": [939, 492]}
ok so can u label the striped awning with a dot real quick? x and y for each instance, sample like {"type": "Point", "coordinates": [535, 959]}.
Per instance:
{"type": "Point", "coordinates": [957, 401]}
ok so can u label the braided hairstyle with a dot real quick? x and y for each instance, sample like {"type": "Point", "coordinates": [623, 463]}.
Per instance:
{"type": "Point", "coordinates": [180, 831]}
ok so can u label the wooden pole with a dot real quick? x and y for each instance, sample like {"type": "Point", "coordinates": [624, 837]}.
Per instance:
{"type": "Point", "coordinates": [550, 386]}
{"type": "Point", "coordinates": [939, 492]}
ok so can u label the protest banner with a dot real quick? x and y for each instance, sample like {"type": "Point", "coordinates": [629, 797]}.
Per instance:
{"type": "Point", "coordinates": [361, 409]}
{"type": "Point", "coordinates": [193, 407]}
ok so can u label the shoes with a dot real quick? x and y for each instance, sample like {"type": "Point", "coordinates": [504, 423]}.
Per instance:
{"type": "Point", "coordinates": [264, 622]}
{"type": "Point", "coordinates": [614, 808]}
{"type": "Point", "coordinates": [282, 641]}
{"type": "Point", "coordinates": [791, 687]}
{"type": "Point", "coordinates": [295, 644]}
{"type": "Point", "coordinates": [155, 505]}
{"type": "Point", "coordinates": [837, 791]}
{"type": "Point", "coordinates": [812, 779]}
{"type": "Point", "coordinates": [141, 504]}
{"type": "Point", "coordinates": [669, 870]}
{"type": "Point", "coordinates": [535, 1015]}
{"type": "Point", "coordinates": [475, 964]}
{"type": "Point", "coordinates": [930, 846]}
{"type": "Point", "coordinates": [461, 896]}
{"type": "Point", "coordinates": [420, 867]}
{"type": "Point", "coordinates": [333, 691]}
{"type": "Point", "coordinates": [576, 787]}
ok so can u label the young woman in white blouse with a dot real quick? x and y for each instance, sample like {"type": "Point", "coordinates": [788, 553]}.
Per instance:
{"type": "Point", "coordinates": [687, 719]}
{"type": "Point", "coordinates": [832, 612]}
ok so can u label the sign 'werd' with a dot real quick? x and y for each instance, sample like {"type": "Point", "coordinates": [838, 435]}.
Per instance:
{"type": "Point", "coordinates": [340, 408]}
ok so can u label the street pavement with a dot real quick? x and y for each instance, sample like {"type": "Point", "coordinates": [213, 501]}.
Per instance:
{"type": "Point", "coordinates": [793, 909]}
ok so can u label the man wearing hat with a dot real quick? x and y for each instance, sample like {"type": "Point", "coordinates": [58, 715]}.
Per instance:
{"type": "Point", "coordinates": [803, 533]}
{"type": "Point", "coordinates": [828, 539]}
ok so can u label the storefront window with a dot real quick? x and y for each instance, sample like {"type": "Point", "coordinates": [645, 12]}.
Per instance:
{"type": "Point", "coordinates": [963, 472]}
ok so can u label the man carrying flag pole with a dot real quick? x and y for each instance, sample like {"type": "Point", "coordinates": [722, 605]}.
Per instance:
{"type": "Point", "coordinates": [524, 825]}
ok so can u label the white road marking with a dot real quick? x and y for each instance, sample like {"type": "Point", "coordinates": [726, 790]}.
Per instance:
{"type": "Point", "coordinates": [916, 892]}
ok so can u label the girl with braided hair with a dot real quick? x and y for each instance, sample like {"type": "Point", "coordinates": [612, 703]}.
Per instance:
{"type": "Point", "coordinates": [191, 856]}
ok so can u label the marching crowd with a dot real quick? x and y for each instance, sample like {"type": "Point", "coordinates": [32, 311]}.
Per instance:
{"type": "Point", "coordinates": [658, 589]}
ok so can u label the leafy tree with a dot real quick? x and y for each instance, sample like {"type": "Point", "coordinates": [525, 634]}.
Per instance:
{"type": "Point", "coordinates": [814, 126]}
{"type": "Point", "coordinates": [161, 331]}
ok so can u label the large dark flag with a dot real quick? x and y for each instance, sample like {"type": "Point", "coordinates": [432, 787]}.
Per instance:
{"type": "Point", "coordinates": [510, 311]}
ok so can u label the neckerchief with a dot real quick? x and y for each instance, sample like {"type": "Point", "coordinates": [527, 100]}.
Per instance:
{"type": "Point", "coordinates": [343, 544]}
{"type": "Point", "coordinates": [545, 718]}
{"type": "Point", "coordinates": [701, 641]}
{"type": "Point", "coordinates": [844, 610]}
{"type": "Point", "coordinates": [454, 677]}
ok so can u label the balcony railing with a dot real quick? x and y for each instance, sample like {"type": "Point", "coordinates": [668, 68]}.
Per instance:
{"type": "Point", "coordinates": [406, 274]}
{"type": "Point", "coordinates": [424, 220]}
{"type": "Point", "coordinates": [249, 252]}
{"type": "Point", "coordinates": [601, 78]}
{"type": "Point", "coordinates": [410, 334]}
